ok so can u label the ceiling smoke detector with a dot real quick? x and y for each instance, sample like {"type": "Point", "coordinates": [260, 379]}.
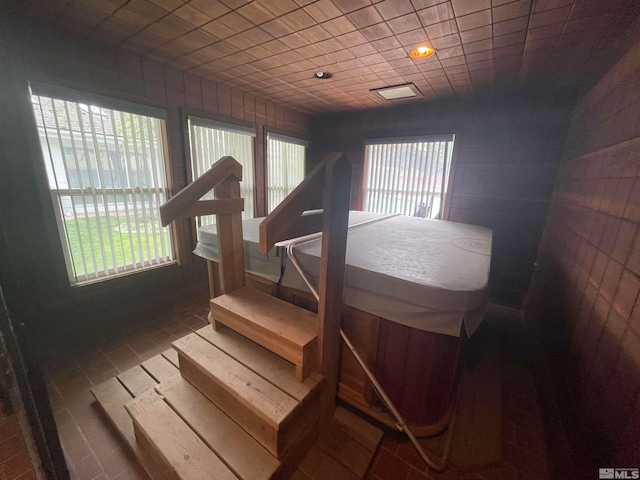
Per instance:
{"type": "Point", "coordinates": [322, 75]}
{"type": "Point", "coordinates": [398, 92]}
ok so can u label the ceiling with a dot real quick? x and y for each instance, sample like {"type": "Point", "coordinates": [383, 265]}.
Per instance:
{"type": "Point", "coordinates": [272, 48]}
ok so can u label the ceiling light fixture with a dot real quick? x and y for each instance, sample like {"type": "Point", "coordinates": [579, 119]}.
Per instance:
{"type": "Point", "coordinates": [322, 75]}
{"type": "Point", "coordinates": [422, 52]}
{"type": "Point", "coordinates": [398, 92]}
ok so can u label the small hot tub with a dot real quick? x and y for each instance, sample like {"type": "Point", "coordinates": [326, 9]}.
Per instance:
{"type": "Point", "coordinates": [415, 290]}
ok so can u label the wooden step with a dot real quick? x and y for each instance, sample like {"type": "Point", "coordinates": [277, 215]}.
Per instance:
{"type": "Point", "coordinates": [236, 448]}
{"type": "Point", "coordinates": [283, 328]}
{"type": "Point", "coordinates": [166, 438]}
{"type": "Point", "coordinates": [349, 441]}
{"type": "Point", "coordinates": [255, 388]}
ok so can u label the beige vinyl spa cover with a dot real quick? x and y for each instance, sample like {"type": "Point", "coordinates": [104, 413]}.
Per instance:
{"type": "Point", "coordinates": [426, 274]}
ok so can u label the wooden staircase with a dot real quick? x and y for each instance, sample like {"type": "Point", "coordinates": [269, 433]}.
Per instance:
{"type": "Point", "coordinates": [249, 397]}
{"type": "Point", "coordinates": [234, 406]}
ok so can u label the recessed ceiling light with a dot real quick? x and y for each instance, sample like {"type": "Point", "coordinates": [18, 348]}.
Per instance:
{"type": "Point", "coordinates": [322, 75]}
{"type": "Point", "coordinates": [398, 92]}
{"type": "Point", "coordinates": [422, 52]}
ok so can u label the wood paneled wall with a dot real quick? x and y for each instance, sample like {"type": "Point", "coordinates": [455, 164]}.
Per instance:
{"type": "Point", "coordinates": [36, 279]}
{"type": "Point", "coordinates": [584, 296]}
{"type": "Point", "coordinates": [506, 156]}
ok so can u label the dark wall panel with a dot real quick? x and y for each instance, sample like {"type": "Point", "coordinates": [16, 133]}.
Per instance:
{"type": "Point", "coordinates": [507, 155]}
{"type": "Point", "coordinates": [584, 295]}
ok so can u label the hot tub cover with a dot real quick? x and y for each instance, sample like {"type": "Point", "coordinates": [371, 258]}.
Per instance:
{"type": "Point", "coordinates": [426, 274]}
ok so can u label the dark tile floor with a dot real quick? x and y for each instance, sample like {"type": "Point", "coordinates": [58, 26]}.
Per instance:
{"type": "Point", "coordinates": [15, 459]}
{"type": "Point", "coordinates": [95, 451]}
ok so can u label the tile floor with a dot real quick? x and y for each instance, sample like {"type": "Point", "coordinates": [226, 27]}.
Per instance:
{"type": "Point", "coordinates": [15, 461]}
{"type": "Point", "coordinates": [95, 451]}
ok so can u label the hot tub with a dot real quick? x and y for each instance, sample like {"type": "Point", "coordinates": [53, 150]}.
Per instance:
{"type": "Point", "coordinates": [415, 290]}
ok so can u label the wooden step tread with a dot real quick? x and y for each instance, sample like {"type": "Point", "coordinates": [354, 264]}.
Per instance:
{"type": "Point", "coordinates": [284, 329]}
{"type": "Point", "coordinates": [173, 443]}
{"type": "Point", "coordinates": [292, 323]}
{"type": "Point", "coordinates": [224, 373]}
{"type": "Point", "coordinates": [263, 362]}
{"type": "Point", "coordinates": [253, 387]}
{"type": "Point", "coordinates": [111, 395]}
{"type": "Point", "coordinates": [160, 368]}
{"type": "Point", "coordinates": [137, 380]}
{"type": "Point", "coordinates": [239, 451]}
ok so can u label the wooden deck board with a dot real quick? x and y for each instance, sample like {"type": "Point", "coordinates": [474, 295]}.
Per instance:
{"type": "Point", "coordinates": [171, 355]}
{"type": "Point", "coordinates": [136, 380]}
{"type": "Point", "coordinates": [111, 396]}
{"type": "Point", "coordinates": [176, 446]}
{"type": "Point", "coordinates": [160, 368]}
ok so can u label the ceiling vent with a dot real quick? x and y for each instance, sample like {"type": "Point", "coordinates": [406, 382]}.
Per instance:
{"type": "Point", "coordinates": [398, 92]}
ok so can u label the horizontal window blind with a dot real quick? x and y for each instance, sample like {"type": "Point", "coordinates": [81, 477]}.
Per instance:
{"type": "Point", "coordinates": [210, 140]}
{"type": "Point", "coordinates": [106, 172]}
{"type": "Point", "coordinates": [407, 177]}
{"type": "Point", "coordinates": [285, 168]}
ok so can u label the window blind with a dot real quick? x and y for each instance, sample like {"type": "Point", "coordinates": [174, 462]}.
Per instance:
{"type": "Point", "coordinates": [210, 140]}
{"type": "Point", "coordinates": [106, 173]}
{"type": "Point", "coordinates": [285, 167]}
{"type": "Point", "coordinates": [407, 177]}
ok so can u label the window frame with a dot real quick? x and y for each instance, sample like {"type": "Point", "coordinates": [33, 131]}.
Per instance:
{"type": "Point", "coordinates": [134, 107]}
{"type": "Point", "coordinates": [439, 136]}
{"type": "Point", "coordinates": [282, 135]}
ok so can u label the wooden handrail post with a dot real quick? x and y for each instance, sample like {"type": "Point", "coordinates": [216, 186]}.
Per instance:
{"type": "Point", "coordinates": [224, 178]}
{"type": "Point", "coordinates": [337, 193]}
{"type": "Point", "coordinates": [230, 242]}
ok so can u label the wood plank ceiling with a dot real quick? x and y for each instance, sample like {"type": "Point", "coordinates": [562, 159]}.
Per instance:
{"type": "Point", "coordinates": [272, 48]}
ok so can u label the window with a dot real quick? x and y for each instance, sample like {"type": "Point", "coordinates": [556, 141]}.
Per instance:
{"type": "Point", "coordinates": [106, 174]}
{"type": "Point", "coordinates": [211, 140]}
{"type": "Point", "coordinates": [285, 167]}
{"type": "Point", "coordinates": [407, 175]}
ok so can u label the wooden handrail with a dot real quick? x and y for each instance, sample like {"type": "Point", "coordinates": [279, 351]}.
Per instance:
{"type": "Point", "coordinates": [286, 222]}
{"type": "Point", "coordinates": [184, 202]}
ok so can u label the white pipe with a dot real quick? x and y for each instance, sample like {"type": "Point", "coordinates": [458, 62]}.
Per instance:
{"type": "Point", "coordinates": [401, 424]}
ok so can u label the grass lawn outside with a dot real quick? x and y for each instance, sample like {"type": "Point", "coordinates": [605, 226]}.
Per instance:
{"type": "Point", "coordinates": [124, 244]}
